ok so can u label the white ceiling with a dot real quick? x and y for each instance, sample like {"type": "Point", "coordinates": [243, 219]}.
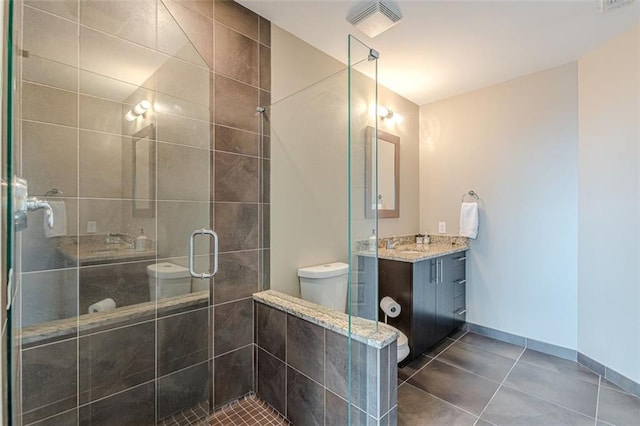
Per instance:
{"type": "Point", "coordinates": [444, 48]}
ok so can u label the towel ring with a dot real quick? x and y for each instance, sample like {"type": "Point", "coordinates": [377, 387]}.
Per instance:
{"type": "Point", "coordinates": [53, 191]}
{"type": "Point", "coordinates": [471, 193]}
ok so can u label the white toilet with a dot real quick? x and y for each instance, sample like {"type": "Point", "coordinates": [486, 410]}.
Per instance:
{"type": "Point", "coordinates": [172, 280]}
{"type": "Point", "coordinates": [327, 284]}
{"type": "Point", "coordinates": [403, 345]}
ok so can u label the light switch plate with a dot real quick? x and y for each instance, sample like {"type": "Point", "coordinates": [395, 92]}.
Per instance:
{"type": "Point", "coordinates": [442, 227]}
{"type": "Point", "coordinates": [91, 226]}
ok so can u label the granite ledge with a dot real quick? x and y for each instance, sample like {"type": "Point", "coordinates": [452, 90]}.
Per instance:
{"type": "Point", "coordinates": [362, 330]}
{"type": "Point", "coordinates": [88, 323]}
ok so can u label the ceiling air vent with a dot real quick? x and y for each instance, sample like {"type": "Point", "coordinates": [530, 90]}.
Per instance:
{"type": "Point", "coordinates": [375, 18]}
{"type": "Point", "coordinates": [609, 5]}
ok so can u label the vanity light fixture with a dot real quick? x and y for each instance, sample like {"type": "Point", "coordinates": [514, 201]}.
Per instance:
{"type": "Point", "coordinates": [138, 110]}
{"type": "Point", "coordinates": [387, 114]}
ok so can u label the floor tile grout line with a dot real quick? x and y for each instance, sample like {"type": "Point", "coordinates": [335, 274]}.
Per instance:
{"type": "Point", "coordinates": [428, 362]}
{"type": "Point", "coordinates": [560, 372]}
{"type": "Point", "coordinates": [443, 400]}
{"type": "Point", "coordinates": [550, 402]}
{"type": "Point", "coordinates": [500, 386]}
{"type": "Point", "coordinates": [469, 371]}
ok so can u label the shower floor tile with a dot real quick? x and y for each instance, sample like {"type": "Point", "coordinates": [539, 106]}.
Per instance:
{"type": "Point", "coordinates": [248, 411]}
{"type": "Point", "coordinates": [194, 416]}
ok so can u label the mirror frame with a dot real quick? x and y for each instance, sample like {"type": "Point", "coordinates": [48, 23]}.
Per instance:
{"type": "Point", "coordinates": [370, 134]}
{"type": "Point", "coordinates": [149, 134]}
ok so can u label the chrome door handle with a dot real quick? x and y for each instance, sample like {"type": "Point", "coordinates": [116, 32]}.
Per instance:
{"type": "Point", "coordinates": [461, 281]}
{"type": "Point", "coordinates": [461, 258]}
{"type": "Point", "coordinates": [192, 238]}
{"type": "Point", "coordinates": [441, 270]}
{"type": "Point", "coordinates": [462, 312]}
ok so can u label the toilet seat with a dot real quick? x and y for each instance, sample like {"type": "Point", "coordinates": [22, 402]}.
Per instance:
{"type": "Point", "coordinates": [403, 347]}
{"type": "Point", "coordinates": [403, 344]}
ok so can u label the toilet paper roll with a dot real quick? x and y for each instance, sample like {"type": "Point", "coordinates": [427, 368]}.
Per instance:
{"type": "Point", "coordinates": [105, 305]}
{"type": "Point", "coordinates": [390, 307]}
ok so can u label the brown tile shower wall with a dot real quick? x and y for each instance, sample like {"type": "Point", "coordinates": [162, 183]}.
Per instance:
{"type": "Point", "coordinates": [117, 371]}
{"type": "Point", "coordinates": [302, 371]}
{"type": "Point", "coordinates": [241, 83]}
{"type": "Point", "coordinates": [235, 43]}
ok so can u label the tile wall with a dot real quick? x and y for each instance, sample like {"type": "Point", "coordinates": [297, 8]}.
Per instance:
{"type": "Point", "coordinates": [208, 134]}
{"type": "Point", "coordinates": [302, 371]}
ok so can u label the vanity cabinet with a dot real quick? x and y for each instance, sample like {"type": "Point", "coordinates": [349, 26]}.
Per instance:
{"type": "Point", "coordinates": [432, 296]}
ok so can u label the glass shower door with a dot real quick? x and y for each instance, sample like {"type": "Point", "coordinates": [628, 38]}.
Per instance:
{"type": "Point", "coordinates": [111, 128]}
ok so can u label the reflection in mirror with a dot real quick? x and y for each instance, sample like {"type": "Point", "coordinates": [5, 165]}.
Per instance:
{"type": "Point", "coordinates": [386, 199]}
{"type": "Point", "coordinates": [144, 172]}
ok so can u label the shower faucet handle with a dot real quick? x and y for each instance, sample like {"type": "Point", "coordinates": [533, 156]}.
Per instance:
{"type": "Point", "coordinates": [23, 204]}
{"type": "Point", "coordinates": [34, 203]}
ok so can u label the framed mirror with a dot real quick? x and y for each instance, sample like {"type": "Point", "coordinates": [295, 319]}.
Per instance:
{"type": "Point", "coordinates": [387, 197]}
{"type": "Point", "coordinates": [144, 172]}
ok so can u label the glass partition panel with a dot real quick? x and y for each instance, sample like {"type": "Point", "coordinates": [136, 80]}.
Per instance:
{"type": "Point", "coordinates": [319, 175]}
{"type": "Point", "coordinates": [114, 134]}
{"type": "Point", "coordinates": [366, 389]}
{"type": "Point", "coordinates": [363, 180]}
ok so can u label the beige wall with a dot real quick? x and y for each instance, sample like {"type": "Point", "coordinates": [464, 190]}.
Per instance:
{"type": "Point", "coordinates": [515, 144]}
{"type": "Point", "coordinates": [609, 234]}
{"type": "Point", "coordinates": [309, 160]}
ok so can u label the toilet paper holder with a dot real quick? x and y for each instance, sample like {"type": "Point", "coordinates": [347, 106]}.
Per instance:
{"type": "Point", "coordinates": [390, 307]}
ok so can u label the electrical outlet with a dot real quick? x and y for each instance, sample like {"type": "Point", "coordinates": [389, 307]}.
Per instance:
{"type": "Point", "coordinates": [442, 227]}
{"type": "Point", "coordinates": [91, 227]}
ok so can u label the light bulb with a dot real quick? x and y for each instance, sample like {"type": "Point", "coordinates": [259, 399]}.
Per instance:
{"type": "Point", "coordinates": [382, 111]}
{"type": "Point", "coordinates": [142, 107]}
{"type": "Point", "coordinates": [130, 116]}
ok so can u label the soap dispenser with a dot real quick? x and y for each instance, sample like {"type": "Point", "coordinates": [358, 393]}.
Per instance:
{"type": "Point", "coordinates": [373, 241]}
{"type": "Point", "coordinates": [141, 241]}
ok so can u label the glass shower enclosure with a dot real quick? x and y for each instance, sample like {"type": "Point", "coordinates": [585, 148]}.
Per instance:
{"type": "Point", "coordinates": [322, 167]}
{"type": "Point", "coordinates": [108, 166]}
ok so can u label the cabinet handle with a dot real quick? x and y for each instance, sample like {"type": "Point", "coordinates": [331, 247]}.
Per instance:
{"type": "Point", "coordinates": [462, 311]}
{"type": "Point", "coordinates": [441, 270]}
{"type": "Point", "coordinates": [461, 281]}
{"type": "Point", "coordinates": [437, 272]}
{"type": "Point", "coordinates": [461, 258]}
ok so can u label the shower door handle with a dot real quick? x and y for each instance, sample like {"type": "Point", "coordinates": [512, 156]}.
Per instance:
{"type": "Point", "coordinates": [192, 239]}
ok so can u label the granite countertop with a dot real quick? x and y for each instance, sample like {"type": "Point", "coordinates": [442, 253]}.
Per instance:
{"type": "Point", "coordinates": [417, 252]}
{"type": "Point", "coordinates": [362, 330]}
{"type": "Point", "coordinates": [93, 250]}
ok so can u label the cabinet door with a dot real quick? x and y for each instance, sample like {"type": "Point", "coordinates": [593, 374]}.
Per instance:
{"type": "Point", "coordinates": [444, 299]}
{"type": "Point", "coordinates": [424, 307]}
{"type": "Point", "coordinates": [455, 277]}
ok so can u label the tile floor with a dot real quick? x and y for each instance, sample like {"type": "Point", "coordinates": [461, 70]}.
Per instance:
{"type": "Point", "coordinates": [470, 379]}
{"type": "Point", "coordinates": [194, 416]}
{"type": "Point", "coordinates": [248, 411]}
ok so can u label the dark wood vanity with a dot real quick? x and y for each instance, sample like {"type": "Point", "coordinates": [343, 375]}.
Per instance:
{"type": "Point", "coordinates": [431, 293]}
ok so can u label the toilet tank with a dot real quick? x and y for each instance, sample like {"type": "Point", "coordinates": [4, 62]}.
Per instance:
{"type": "Point", "coordinates": [172, 280]}
{"type": "Point", "coordinates": [325, 285]}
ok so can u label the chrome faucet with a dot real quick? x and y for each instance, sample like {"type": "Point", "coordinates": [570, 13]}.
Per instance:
{"type": "Point", "coordinates": [391, 245]}
{"type": "Point", "coordinates": [117, 238]}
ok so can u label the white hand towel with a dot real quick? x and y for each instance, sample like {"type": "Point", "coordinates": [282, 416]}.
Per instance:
{"type": "Point", "coordinates": [469, 220]}
{"type": "Point", "coordinates": [59, 220]}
